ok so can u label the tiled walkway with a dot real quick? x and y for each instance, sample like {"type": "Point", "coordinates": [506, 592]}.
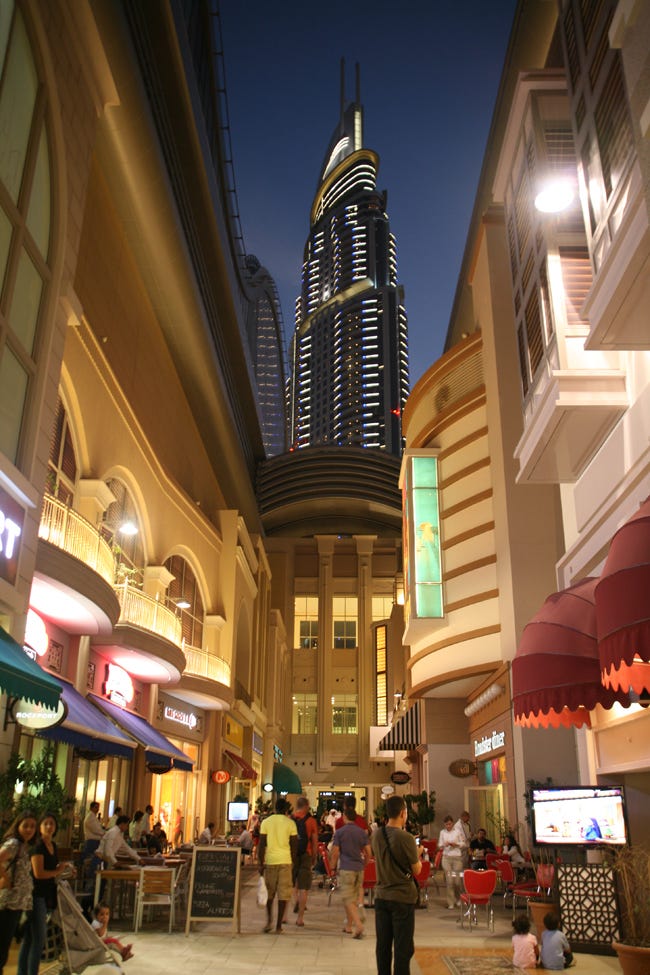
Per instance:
{"type": "Point", "coordinates": [320, 948]}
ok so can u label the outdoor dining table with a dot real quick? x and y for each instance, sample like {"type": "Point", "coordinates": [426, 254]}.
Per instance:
{"type": "Point", "coordinates": [127, 877]}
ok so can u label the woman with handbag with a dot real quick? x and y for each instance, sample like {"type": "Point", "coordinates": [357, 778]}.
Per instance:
{"type": "Point", "coordinates": [15, 879]}
{"type": "Point", "coordinates": [45, 868]}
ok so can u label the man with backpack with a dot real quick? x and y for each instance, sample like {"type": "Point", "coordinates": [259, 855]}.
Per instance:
{"type": "Point", "coordinates": [306, 859]}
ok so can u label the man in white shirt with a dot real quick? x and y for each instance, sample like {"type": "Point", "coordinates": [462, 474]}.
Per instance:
{"type": "Point", "coordinates": [93, 833]}
{"type": "Point", "coordinates": [453, 844]}
{"type": "Point", "coordinates": [114, 843]}
{"type": "Point", "coordinates": [464, 824]}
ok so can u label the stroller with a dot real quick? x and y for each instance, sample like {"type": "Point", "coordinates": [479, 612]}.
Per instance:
{"type": "Point", "coordinates": [82, 949]}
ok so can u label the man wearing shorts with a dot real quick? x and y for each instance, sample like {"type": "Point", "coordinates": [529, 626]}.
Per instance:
{"type": "Point", "coordinates": [351, 851]}
{"type": "Point", "coordinates": [277, 852]}
{"type": "Point", "coordinates": [307, 853]}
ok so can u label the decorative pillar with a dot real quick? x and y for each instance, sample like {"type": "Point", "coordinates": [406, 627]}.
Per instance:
{"type": "Point", "coordinates": [326, 544]}
{"type": "Point", "coordinates": [365, 662]}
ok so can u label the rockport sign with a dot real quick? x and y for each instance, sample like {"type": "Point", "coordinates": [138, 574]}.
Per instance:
{"type": "Point", "coordinates": [489, 743]}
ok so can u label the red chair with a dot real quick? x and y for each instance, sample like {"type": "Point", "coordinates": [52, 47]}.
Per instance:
{"type": "Point", "coordinates": [330, 881]}
{"type": "Point", "coordinates": [479, 887]}
{"type": "Point", "coordinates": [491, 859]}
{"type": "Point", "coordinates": [430, 846]}
{"type": "Point", "coordinates": [370, 880]}
{"type": "Point", "coordinates": [423, 879]}
{"type": "Point", "coordinates": [532, 889]}
{"type": "Point", "coordinates": [505, 870]}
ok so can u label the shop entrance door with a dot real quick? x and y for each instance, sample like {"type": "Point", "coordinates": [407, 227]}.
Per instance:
{"type": "Point", "coordinates": [485, 805]}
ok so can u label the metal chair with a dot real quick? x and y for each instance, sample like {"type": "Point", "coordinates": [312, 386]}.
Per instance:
{"type": "Point", "coordinates": [479, 887]}
{"type": "Point", "coordinates": [542, 885]}
{"type": "Point", "coordinates": [370, 881]}
{"type": "Point", "coordinates": [155, 889]}
{"type": "Point", "coordinates": [330, 880]}
{"type": "Point", "coordinates": [423, 879]}
{"type": "Point", "coordinates": [505, 871]}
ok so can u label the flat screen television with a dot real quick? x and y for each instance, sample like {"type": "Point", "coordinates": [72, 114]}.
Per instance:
{"type": "Point", "coordinates": [580, 816]}
{"type": "Point", "coordinates": [237, 812]}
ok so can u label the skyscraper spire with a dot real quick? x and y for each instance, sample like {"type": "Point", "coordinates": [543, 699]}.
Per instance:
{"type": "Point", "coordinates": [350, 352]}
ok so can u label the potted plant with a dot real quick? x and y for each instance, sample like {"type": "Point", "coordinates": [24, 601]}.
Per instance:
{"type": "Point", "coordinates": [421, 808]}
{"type": "Point", "coordinates": [631, 867]}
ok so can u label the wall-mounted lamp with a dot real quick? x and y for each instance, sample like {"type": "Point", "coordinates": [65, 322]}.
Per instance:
{"type": "Point", "coordinates": [128, 528]}
{"type": "Point", "coordinates": [182, 604]}
{"type": "Point", "coordinates": [555, 196]}
{"type": "Point", "coordinates": [398, 589]}
{"type": "Point", "coordinates": [492, 692]}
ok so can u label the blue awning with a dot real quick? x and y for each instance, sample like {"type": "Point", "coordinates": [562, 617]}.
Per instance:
{"type": "Point", "coordinates": [158, 750]}
{"type": "Point", "coordinates": [20, 676]}
{"type": "Point", "coordinates": [85, 726]}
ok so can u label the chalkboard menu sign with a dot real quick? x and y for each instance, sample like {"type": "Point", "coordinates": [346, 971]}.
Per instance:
{"type": "Point", "coordinates": [214, 885]}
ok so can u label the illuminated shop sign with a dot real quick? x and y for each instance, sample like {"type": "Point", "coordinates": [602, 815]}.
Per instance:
{"type": "Point", "coordinates": [421, 527]}
{"type": "Point", "coordinates": [37, 716]}
{"type": "Point", "coordinates": [36, 638]}
{"type": "Point", "coordinates": [278, 754]}
{"type": "Point", "coordinates": [12, 517]}
{"type": "Point", "coordinates": [489, 743]}
{"type": "Point", "coordinates": [186, 718]}
{"type": "Point", "coordinates": [118, 686]}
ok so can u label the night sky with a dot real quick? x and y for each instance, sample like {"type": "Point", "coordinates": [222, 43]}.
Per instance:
{"type": "Point", "coordinates": [430, 71]}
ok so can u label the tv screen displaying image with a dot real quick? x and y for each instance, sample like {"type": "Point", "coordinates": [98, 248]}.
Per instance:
{"type": "Point", "coordinates": [579, 816]}
{"type": "Point", "coordinates": [237, 812]}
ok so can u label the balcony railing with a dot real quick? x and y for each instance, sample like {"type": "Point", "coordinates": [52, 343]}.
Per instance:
{"type": "Point", "coordinates": [201, 663]}
{"type": "Point", "coordinates": [139, 609]}
{"type": "Point", "coordinates": [69, 531]}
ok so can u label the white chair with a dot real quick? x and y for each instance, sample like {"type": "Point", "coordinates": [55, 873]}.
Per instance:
{"type": "Point", "coordinates": [155, 889]}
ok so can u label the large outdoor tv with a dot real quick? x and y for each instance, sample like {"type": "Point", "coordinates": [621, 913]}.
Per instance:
{"type": "Point", "coordinates": [237, 812]}
{"type": "Point", "coordinates": [580, 816]}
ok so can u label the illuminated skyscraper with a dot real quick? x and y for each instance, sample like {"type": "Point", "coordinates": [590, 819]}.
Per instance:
{"type": "Point", "coordinates": [350, 348]}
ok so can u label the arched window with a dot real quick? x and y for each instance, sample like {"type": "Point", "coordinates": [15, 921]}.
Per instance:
{"type": "Point", "coordinates": [25, 225]}
{"type": "Point", "coordinates": [122, 529]}
{"type": "Point", "coordinates": [62, 463]}
{"type": "Point", "coordinates": [183, 595]}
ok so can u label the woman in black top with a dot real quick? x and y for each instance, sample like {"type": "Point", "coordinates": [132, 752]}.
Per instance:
{"type": "Point", "coordinates": [46, 868]}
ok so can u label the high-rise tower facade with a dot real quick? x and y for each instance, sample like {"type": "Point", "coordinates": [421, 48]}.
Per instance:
{"type": "Point", "coordinates": [350, 348]}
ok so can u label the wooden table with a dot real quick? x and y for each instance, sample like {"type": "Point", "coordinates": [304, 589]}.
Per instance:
{"type": "Point", "coordinates": [122, 875]}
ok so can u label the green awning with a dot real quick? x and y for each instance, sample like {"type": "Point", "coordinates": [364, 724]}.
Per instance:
{"type": "Point", "coordinates": [286, 780]}
{"type": "Point", "coordinates": [20, 676]}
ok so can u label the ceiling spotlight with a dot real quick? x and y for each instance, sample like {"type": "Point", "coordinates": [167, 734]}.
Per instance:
{"type": "Point", "coordinates": [182, 604]}
{"type": "Point", "coordinates": [128, 528]}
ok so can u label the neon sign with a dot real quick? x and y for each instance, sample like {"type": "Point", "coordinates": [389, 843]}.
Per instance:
{"type": "Point", "coordinates": [118, 686]}
{"type": "Point", "coordinates": [11, 528]}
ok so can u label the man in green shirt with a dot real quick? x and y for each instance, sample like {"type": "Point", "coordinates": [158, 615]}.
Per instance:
{"type": "Point", "coordinates": [277, 852]}
{"type": "Point", "coordinates": [396, 893]}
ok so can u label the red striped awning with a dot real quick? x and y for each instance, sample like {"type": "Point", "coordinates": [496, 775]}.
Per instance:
{"type": "Point", "coordinates": [246, 771]}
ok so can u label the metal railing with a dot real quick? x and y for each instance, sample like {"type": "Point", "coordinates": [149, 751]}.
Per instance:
{"type": "Point", "coordinates": [68, 530]}
{"type": "Point", "coordinates": [139, 609]}
{"type": "Point", "coordinates": [202, 663]}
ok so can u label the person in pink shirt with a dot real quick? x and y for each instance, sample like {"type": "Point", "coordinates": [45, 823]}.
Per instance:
{"type": "Point", "coordinates": [524, 944]}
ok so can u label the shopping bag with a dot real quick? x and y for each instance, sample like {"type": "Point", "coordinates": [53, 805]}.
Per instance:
{"type": "Point", "coordinates": [262, 892]}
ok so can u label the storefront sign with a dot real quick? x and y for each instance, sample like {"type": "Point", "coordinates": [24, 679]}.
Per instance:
{"type": "Point", "coordinates": [220, 776]}
{"type": "Point", "coordinates": [37, 716]}
{"type": "Point", "coordinates": [12, 517]}
{"type": "Point", "coordinates": [258, 743]}
{"type": "Point", "coordinates": [400, 778]}
{"type": "Point", "coordinates": [36, 637]}
{"type": "Point", "coordinates": [118, 686]}
{"type": "Point", "coordinates": [277, 753]}
{"type": "Point", "coordinates": [489, 743]}
{"type": "Point", "coordinates": [188, 718]}
{"type": "Point", "coordinates": [462, 768]}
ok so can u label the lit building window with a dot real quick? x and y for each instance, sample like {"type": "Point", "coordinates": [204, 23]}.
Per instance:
{"type": "Point", "coordinates": [381, 699]}
{"type": "Point", "coordinates": [306, 622]}
{"type": "Point", "coordinates": [344, 620]}
{"type": "Point", "coordinates": [304, 714]}
{"type": "Point", "coordinates": [344, 714]}
{"type": "Point", "coordinates": [382, 607]}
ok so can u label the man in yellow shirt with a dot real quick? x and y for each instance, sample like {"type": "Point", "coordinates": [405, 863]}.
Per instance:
{"type": "Point", "coordinates": [277, 853]}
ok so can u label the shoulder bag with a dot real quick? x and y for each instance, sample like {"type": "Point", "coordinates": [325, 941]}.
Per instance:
{"type": "Point", "coordinates": [405, 870]}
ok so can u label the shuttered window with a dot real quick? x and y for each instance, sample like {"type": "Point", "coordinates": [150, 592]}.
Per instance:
{"type": "Point", "coordinates": [577, 278]}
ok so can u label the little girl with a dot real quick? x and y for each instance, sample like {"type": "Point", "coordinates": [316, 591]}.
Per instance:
{"type": "Point", "coordinates": [102, 916]}
{"type": "Point", "coordinates": [524, 944]}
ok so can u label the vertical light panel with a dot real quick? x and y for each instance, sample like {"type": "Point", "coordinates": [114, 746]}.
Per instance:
{"type": "Point", "coordinates": [422, 516]}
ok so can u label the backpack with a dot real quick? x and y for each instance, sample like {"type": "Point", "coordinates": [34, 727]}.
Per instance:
{"type": "Point", "coordinates": [303, 839]}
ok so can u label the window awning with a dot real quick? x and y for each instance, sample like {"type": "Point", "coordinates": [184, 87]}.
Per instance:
{"type": "Point", "coordinates": [157, 749]}
{"type": "Point", "coordinates": [556, 670]}
{"type": "Point", "coordinates": [286, 780]}
{"type": "Point", "coordinates": [247, 771]}
{"type": "Point", "coordinates": [85, 726]}
{"type": "Point", "coordinates": [405, 734]}
{"type": "Point", "coordinates": [20, 676]}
